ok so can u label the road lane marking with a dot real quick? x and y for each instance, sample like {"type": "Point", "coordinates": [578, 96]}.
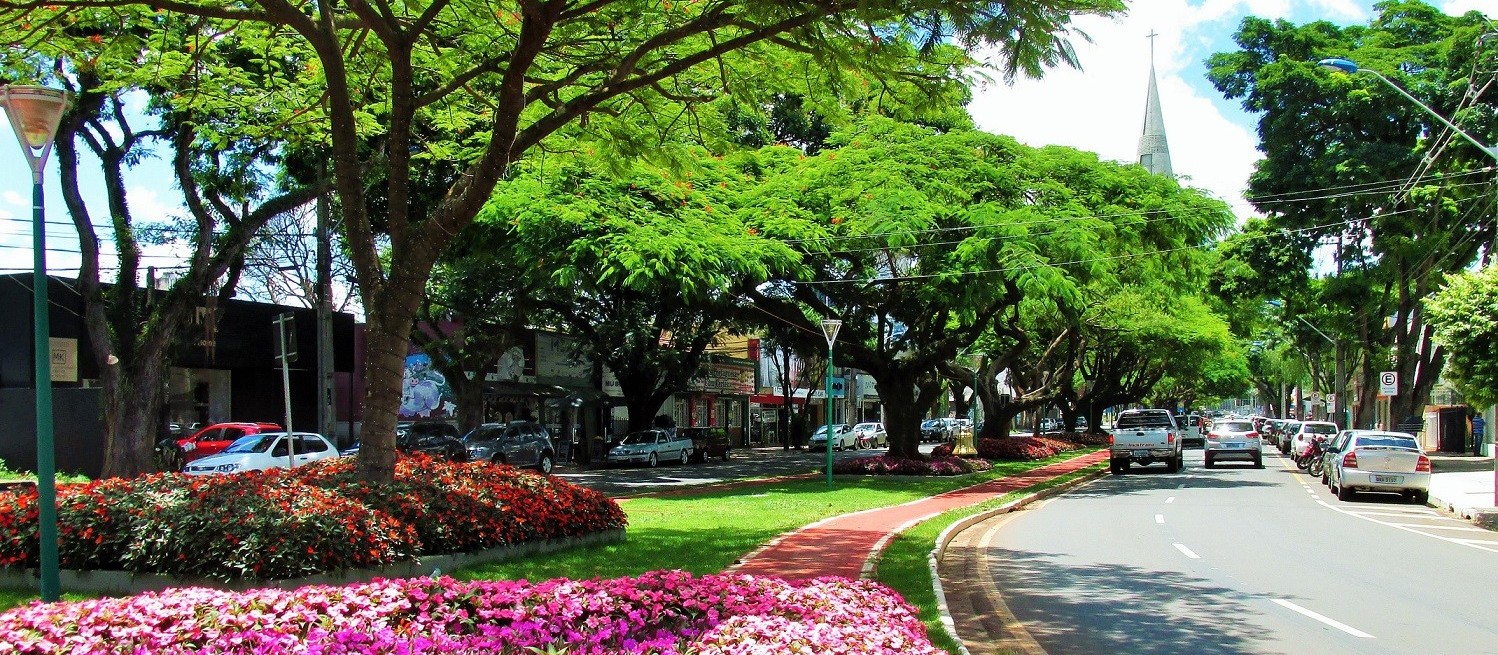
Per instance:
{"type": "Point", "coordinates": [1324, 619]}
{"type": "Point", "coordinates": [1462, 528]}
{"type": "Point", "coordinates": [1460, 542]}
{"type": "Point", "coordinates": [1404, 515]}
{"type": "Point", "coordinates": [1016, 635]}
{"type": "Point", "coordinates": [1159, 518]}
{"type": "Point", "coordinates": [1186, 551]}
{"type": "Point", "coordinates": [1170, 500]}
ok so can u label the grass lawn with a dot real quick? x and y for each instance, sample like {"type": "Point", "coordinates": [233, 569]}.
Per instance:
{"type": "Point", "coordinates": [904, 568]}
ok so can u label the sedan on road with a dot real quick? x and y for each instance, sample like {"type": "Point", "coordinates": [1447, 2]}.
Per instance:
{"type": "Point", "coordinates": [842, 438]}
{"type": "Point", "coordinates": [870, 435]}
{"type": "Point", "coordinates": [1233, 440]}
{"type": "Point", "coordinates": [1385, 462]}
{"type": "Point", "coordinates": [264, 451]}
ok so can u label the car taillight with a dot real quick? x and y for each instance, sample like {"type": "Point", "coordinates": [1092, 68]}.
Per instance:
{"type": "Point", "coordinates": [1423, 466]}
{"type": "Point", "coordinates": [1251, 435]}
{"type": "Point", "coordinates": [1350, 461]}
{"type": "Point", "coordinates": [1110, 438]}
{"type": "Point", "coordinates": [1170, 437]}
{"type": "Point", "coordinates": [1211, 435]}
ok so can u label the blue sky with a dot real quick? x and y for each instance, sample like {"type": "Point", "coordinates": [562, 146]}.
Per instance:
{"type": "Point", "coordinates": [1099, 108]}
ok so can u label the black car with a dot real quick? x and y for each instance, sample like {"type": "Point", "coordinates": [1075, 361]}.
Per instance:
{"type": "Point", "coordinates": [435, 438]}
{"type": "Point", "coordinates": [707, 442]}
{"type": "Point", "coordinates": [517, 443]}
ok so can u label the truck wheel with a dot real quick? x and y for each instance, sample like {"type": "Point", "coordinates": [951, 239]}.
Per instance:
{"type": "Point", "coordinates": [1207, 460]}
{"type": "Point", "coordinates": [1119, 466]}
{"type": "Point", "coordinates": [1173, 465]}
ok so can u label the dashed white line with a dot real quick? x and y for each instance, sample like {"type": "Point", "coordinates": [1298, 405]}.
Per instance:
{"type": "Point", "coordinates": [1159, 518]}
{"type": "Point", "coordinates": [1324, 619]}
{"type": "Point", "coordinates": [1170, 500]}
{"type": "Point", "coordinates": [1186, 551]}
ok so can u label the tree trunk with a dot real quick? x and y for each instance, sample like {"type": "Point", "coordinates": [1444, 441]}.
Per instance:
{"type": "Point", "coordinates": [903, 408]}
{"type": "Point", "coordinates": [388, 341]}
{"type": "Point", "coordinates": [470, 397]}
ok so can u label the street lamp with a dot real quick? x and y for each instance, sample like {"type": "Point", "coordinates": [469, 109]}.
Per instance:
{"type": "Point", "coordinates": [830, 328]}
{"type": "Point", "coordinates": [1347, 66]}
{"type": "Point", "coordinates": [1341, 390]}
{"type": "Point", "coordinates": [34, 114]}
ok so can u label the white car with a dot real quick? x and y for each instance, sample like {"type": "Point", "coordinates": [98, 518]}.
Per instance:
{"type": "Point", "coordinates": [842, 438]}
{"type": "Point", "coordinates": [1300, 440]}
{"type": "Point", "coordinates": [870, 435]}
{"type": "Point", "coordinates": [1234, 439]}
{"type": "Point", "coordinates": [263, 451]}
{"type": "Point", "coordinates": [1372, 460]}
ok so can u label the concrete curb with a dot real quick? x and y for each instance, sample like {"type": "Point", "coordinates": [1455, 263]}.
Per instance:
{"type": "Point", "coordinates": [1482, 517]}
{"type": "Point", "coordinates": [939, 551]}
{"type": "Point", "coordinates": [117, 583]}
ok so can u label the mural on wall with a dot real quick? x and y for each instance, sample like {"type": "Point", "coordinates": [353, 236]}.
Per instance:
{"type": "Point", "coordinates": [425, 392]}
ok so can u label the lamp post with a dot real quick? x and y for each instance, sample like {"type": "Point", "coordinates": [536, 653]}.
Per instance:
{"type": "Point", "coordinates": [34, 114]}
{"type": "Point", "coordinates": [1341, 388]}
{"type": "Point", "coordinates": [1347, 66]}
{"type": "Point", "coordinates": [830, 328]}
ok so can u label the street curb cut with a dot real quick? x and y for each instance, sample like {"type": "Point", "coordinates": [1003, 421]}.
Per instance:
{"type": "Point", "coordinates": [128, 583]}
{"type": "Point", "coordinates": [939, 551]}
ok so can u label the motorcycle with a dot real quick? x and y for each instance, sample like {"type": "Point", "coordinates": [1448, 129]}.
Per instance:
{"type": "Point", "coordinates": [1310, 459]}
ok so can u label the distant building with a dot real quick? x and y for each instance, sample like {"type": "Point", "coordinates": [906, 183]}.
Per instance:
{"type": "Point", "coordinates": [1154, 152]}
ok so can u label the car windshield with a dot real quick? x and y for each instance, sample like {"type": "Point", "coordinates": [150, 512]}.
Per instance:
{"type": "Point", "coordinates": [1407, 443]}
{"type": "Point", "coordinates": [1320, 428]}
{"type": "Point", "coordinates": [862, 427]}
{"type": "Point", "coordinates": [1235, 426]}
{"type": "Point", "coordinates": [1144, 420]}
{"type": "Point", "coordinates": [255, 443]}
{"type": "Point", "coordinates": [638, 438]}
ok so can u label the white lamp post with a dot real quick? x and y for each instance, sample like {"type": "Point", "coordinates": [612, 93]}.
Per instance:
{"type": "Point", "coordinates": [34, 114]}
{"type": "Point", "coordinates": [1347, 66]}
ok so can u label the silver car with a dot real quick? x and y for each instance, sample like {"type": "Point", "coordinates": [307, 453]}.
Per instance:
{"type": "Point", "coordinates": [1385, 462]}
{"type": "Point", "coordinates": [651, 447]}
{"type": "Point", "coordinates": [1233, 440]}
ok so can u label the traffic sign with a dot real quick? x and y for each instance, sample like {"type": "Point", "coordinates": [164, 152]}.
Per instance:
{"type": "Point", "coordinates": [1388, 383]}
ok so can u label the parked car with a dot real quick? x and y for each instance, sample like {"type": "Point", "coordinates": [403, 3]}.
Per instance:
{"type": "Point", "coordinates": [1233, 440]}
{"type": "Point", "coordinates": [870, 435]}
{"type": "Point", "coordinates": [264, 451]}
{"type": "Point", "coordinates": [842, 437]}
{"type": "Point", "coordinates": [652, 447]}
{"type": "Point", "coordinates": [213, 439]}
{"type": "Point", "coordinates": [935, 429]}
{"type": "Point", "coordinates": [517, 443]}
{"type": "Point", "coordinates": [435, 438]}
{"type": "Point", "coordinates": [1377, 461]}
{"type": "Point", "coordinates": [1307, 430]}
{"type": "Point", "coordinates": [1284, 433]}
{"type": "Point", "coordinates": [1194, 431]}
{"type": "Point", "coordinates": [707, 442]}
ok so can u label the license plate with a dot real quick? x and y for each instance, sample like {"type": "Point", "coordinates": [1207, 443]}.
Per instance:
{"type": "Point", "coordinates": [1141, 453]}
{"type": "Point", "coordinates": [1232, 445]}
{"type": "Point", "coordinates": [1388, 479]}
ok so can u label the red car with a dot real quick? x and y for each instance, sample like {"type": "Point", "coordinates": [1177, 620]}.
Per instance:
{"type": "Point", "coordinates": [214, 438]}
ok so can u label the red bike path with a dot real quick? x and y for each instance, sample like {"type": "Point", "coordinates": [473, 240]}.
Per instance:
{"type": "Point", "coordinates": [842, 544]}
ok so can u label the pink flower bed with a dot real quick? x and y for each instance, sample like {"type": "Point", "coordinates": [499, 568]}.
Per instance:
{"type": "Point", "coordinates": [886, 465]}
{"type": "Point", "coordinates": [1023, 448]}
{"type": "Point", "coordinates": [664, 612]}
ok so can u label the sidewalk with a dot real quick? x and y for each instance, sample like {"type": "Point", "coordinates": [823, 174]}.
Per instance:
{"type": "Point", "coordinates": [1463, 485]}
{"type": "Point", "coordinates": [844, 545]}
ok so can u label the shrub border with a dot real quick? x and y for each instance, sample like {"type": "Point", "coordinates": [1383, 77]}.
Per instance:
{"type": "Point", "coordinates": [127, 583]}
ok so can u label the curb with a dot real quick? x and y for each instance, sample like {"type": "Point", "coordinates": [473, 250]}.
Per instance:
{"type": "Point", "coordinates": [128, 583]}
{"type": "Point", "coordinates": [1482, 517]}
{"type": "Point", "coordinates": [939, 551]}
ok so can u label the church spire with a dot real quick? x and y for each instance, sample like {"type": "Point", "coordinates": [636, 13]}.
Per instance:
{"type": "Point", "coordinates": [1154, 153]}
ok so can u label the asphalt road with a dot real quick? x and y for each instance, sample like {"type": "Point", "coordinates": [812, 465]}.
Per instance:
{"type": "Point", "coordinates": [1239, 560]}
{"type": "Point", "coordinates": [742, 464]}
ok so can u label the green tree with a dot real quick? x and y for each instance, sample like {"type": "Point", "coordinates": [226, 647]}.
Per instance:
{"type": "Point", "coordinates": [1351, 163]}
{"type": "Point", "coordinates": [224, 157]}
{"type": "Point", "coordinates": [1464, 314]}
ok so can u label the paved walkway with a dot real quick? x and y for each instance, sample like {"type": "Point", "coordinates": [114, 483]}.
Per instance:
{"type": "Point", "coordinates": [843, 544]}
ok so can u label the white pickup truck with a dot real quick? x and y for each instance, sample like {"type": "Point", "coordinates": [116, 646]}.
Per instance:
{"type": "Point", "coordinates": [1145, 436]}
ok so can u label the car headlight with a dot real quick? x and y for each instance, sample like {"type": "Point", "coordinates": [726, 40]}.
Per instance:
{"type": "Point", "coordinates": [480, 451]}
{"type": "Point", "coordinates": [227, 468]}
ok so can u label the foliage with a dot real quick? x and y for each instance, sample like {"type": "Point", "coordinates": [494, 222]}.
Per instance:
{"type": "Point", "coordinates": [1464, 314]}
{"type": "Point", "coordinates": [1023, 448]}
{"type": "Point", "coordinates": [7, 475]}
{"type": "Point", "coordinates": [280, 524]}
{"type": "Point", "coordinates": [660, 612]}
{"type": "Point", "coordinates": [890, 465]}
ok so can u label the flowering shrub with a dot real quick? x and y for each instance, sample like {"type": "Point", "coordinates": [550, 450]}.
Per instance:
{"type": "Point", "coordinates": [1022, 448]}
{"type": "Point", "coordinates": [886, 465]}
{"type": "Point", "coordinates": [667, 612]}
{"type": "Point", "coordinates": [280, 524]}
{"type": "Point", "coordinates": [1088, 438]}
{"type": "Point", "coordinates": [943, 450]}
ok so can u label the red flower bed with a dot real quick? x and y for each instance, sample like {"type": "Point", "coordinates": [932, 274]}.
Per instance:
{"type": "Point", "coordinates": [280, 524]}
{"type": "Point", "coordinates": [1022, 448]}
{"type": "Point", "coordinates": [885, 465]}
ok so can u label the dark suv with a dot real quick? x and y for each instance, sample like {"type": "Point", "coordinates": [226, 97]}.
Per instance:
{"type": "Point", "coordinates": [707, 442]}
{"type": "Point", "coordinates": [517, 443]}
{"type": "Point", "coordinates": [434, 438]}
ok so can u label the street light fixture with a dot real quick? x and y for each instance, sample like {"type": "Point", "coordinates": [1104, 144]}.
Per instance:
{"type": "Point", "coordinates": [1347, 66]}
{"type": "Point", "coordinates": [34, 113]}
{"type": "Point", "coordinates": [830, 329]}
